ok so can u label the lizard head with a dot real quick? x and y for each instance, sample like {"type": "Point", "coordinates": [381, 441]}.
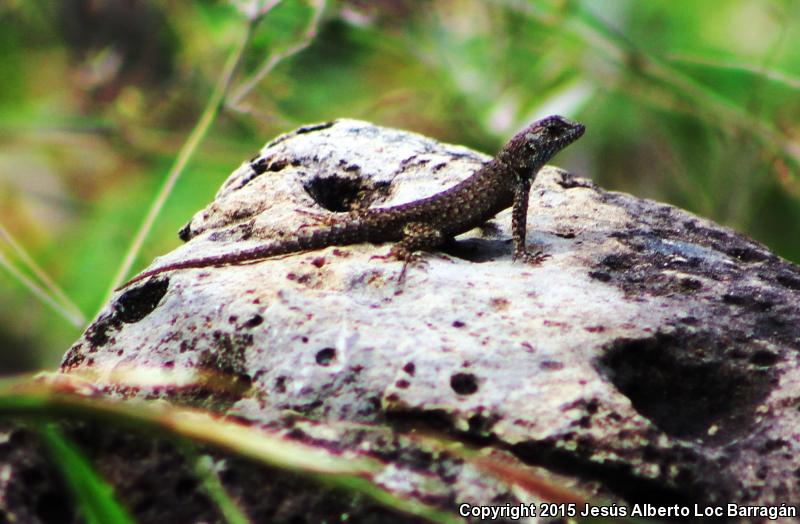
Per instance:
{"type": "Point", "coordinates": [535, 145]}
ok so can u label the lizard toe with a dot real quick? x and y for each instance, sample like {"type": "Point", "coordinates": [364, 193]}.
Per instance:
{"type": "Point", "coordinates": [533, 259]}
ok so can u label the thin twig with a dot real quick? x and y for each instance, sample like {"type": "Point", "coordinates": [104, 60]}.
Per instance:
{"type": "Point", "coordinates": [790, 81]}
{"type": "Point", "coordinates": [247, 86]}
{"type": "Point", "coordinates": [199, 132]}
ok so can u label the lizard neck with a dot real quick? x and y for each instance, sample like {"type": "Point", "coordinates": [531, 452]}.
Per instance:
{"type": "Point", "coordinates": [496, 183]}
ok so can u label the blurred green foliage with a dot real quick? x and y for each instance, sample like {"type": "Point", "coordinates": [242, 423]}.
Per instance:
{"type": "Point", "coordinates": [694, 103]}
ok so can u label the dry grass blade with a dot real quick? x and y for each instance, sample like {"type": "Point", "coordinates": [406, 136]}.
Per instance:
{"type": "Point", "coordinates": [55, 290]}
{"type": "Point", "coordinates": [42, 294]}
{"type": "Point", "coordinates": [54, 397]}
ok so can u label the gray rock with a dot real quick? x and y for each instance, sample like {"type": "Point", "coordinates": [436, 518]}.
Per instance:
{"type": "Point", "coordinates": [652, 358]}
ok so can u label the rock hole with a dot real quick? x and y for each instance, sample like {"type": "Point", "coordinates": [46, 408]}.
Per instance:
{"type": "Point", "coordinates": [763, 358]}
{"type": "Point", "coordinates": [408, 420]}
{"type": "Point", "coordinates": [691, 284]}
{"type": "Point", "coordinates": [261, 165]}
{"type": "Point", "coordinates": [747, 298]}
{"type": "Point", "coordinates": [480, 425]}
{"type": "Point", "coordinates": [254, 321]}
{"type": "Point", "coordinates": [135, 304]}
{"type": "Point", "coordinates": [340, 194]}
{"type": "Point", "coordinates": [314, 127]}
{"type": "Point", "coordinates": [618, 262]}
{"type": "Point", "coordinates": [601, 276]}
{"type": "Point", "coordinates": [789, 281]}
{"type": "Point", "coordinates": [773, 445]}
{"type": "Point", "coordinates": [185, 233]}
{"type": "Point", "coordinates": [325, 356]}
{"type": "Point", "coordinates": [464, 383]}
{"type": "Point", "coordinates": [682, 391]}
{"type": "Point", "coordinates": [747, 254]}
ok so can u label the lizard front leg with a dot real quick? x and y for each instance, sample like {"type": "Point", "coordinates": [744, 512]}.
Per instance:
{"type": "Point", "coordinates": [519, 217]}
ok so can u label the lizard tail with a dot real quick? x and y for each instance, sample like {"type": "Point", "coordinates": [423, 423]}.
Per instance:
{"type": "Point", "coordinates": [336, 235]}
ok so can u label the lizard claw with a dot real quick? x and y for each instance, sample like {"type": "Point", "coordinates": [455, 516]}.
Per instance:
{"type": "Point", "coordinates": [533, 259]}
{"type": "Point", "coordinates": [404, 257]}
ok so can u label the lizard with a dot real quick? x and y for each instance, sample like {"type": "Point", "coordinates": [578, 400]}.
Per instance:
{"type": "Point", "coordinates": [502, 182]}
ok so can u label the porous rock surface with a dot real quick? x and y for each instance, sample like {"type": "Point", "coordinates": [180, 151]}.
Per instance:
{"type": "Point", "coordinates": [652, 358]}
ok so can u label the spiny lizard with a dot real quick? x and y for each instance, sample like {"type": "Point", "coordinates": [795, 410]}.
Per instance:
{"type": "Point", "coordinates": [429, 222]}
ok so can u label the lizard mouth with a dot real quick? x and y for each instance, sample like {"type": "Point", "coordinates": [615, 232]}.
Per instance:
{"type": "Point", "coordinates": [561, 131]}
{"type": "Point", "coordinates": [576, 131]}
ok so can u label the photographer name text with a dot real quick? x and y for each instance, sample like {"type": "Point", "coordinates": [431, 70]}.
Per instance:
{"type": "Point", "coordinates": [566, 510]}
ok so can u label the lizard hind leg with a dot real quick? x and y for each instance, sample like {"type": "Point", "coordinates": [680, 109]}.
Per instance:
{"type": "Point", "coordinates": [416, 236]}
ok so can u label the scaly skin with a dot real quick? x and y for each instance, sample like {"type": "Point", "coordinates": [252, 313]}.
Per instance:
{"type": "Point", "coordinates": [503, 182]}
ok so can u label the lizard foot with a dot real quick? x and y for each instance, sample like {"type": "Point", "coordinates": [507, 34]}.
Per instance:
{"type": "Point", "coordinates": [319, 218]}
{"type": "Point", "coordinates": [404, 256]}
{"type": "Point", "coordinates": [533, 259]}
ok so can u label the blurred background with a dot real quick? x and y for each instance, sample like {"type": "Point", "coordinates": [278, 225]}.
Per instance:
{"type": "Point", "coordinates": [692, 103]}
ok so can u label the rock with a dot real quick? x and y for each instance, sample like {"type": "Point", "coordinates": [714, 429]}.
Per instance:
{"type": "Point", "coordinates": [653, 358]}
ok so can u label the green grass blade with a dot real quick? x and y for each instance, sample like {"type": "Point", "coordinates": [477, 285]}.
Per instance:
{"type": "Point", "coordinates": [93, 496]}
{"type": "Point", "coordinates": [204, 469]}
